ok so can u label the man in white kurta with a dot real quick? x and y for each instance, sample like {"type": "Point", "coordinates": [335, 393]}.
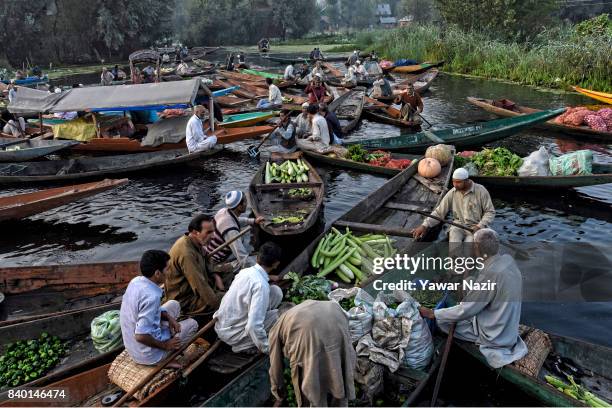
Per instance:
{"type": "Point", "coordinates": [250, 306]}
{"type": "Point", "coordinates": [490, 318]}
{"type": "Point", "coordinates": [195, 137]}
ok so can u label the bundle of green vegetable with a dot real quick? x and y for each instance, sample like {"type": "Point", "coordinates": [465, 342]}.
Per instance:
{"type": "Point", "coordinates": [300, 192]}
{"type": "Point", "coordinates": [494, 162]}
{"type": "Point", "coordinates": [291, 219]}
{"type": "Point", "coordinates": [349, 256]}
{"type": "Point", "coordinates": [348, 303]}
{"type": "Point", "coordinates": [576, 391]}
{"type": "Point", "coordinates": [356, 153]}
{"type": "Point", "coordinates": [290, 171]}
{"type": "Point", "coordinates": [27, 360]}
{"type": "Point", "coordinates": [307, 287]}
{"type": "Point", "coordinates": [106, 331]}
{"type": "Point", "coordinates": [427, 298]}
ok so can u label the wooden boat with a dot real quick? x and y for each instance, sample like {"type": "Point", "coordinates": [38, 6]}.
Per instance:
{"type": "Point", "coordinates": [24, 205]}
{"type": "Point", "coordinates": [348, 108]}
{"type": "Point", "coordinates": [127, 145]}
{"type": "Point", "coordinates": [415, 69]}
{"type": "Point", "coordinates": [231, 101]}
{"type": "Point", "coordinates": [464, 137]}
{"type": "Point", "coordinates": [602, 174]}
{"type": "Point", "coordinates": [384, 117]}
{"type": "Point", "coordinates": [600, 96]}
{"type": "Point", "coordinates": [246, 119]}
{"type": "Point", "coordinates": [263, 74]}
{"type": "Point", "coordinates": [591, 358]}
{"type": "Point", "coordinates": [29, 81]}
{"type": "Point", "coordinates": [581, 132]}
{"type": "Point", "coordinates": [248, 77]}
{"type": "Point", "coordinates": [272, 200]}
{"type": "Point", "coordinates": [33, 292]}
{"type": "Point", "coordinates": [30, 149]}
{"type": "Point", "coordinates": [299, 60]}
{"type": "Point", "coordinates": [241, 93]}
{"type": "Point", "coordinates": [86, 167]}
{"type": "Point", "coordinates": [357, 166]}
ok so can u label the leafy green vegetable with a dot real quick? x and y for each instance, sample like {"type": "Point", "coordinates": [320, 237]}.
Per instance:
{"type": "Point", "coordinates": [307, 287]}
{"type": "Point", "coordinates": [427, 298]}
{"type": "Point", "coordinates": [348, 303]}
{"type": "Point", "coordinates": [27, 360]}
{"type": "Point", "coordinates": [356, 153]}
{"type": "Point", "coordinates": [497, 162]}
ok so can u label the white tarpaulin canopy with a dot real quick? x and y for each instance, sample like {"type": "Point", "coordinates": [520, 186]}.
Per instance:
{"type": "Point", "coordinates": [162, 95]}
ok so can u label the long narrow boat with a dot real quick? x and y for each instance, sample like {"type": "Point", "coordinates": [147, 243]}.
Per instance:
{"type": "Point", "coordinates": [246, 119]}
{"type": "Point", "coordinates": [35, 291]}
{"type": "Point", "coordinates": [30, 149]}
{"type": "Point", "coordinates": [591, 358]}
{"type": "Point", "coordinates": [600, 96]}
{"type": "Point", "coordinates": [273, 200]}
{"type": "Point", "coordinates": [383, 117]}
{"type": "Point", "coordinates": [25, 205]}
{"type": "Point", "coordinates": [602, 174]}
{"type": "Point", "coordinates": [358, 166]}
{"type": "Point", "coordinates": [348, 108]}
{"type": "Point", "coordinates": [29, 81]}
{"type": "Point", "coordinates": [581, 132]}
{"type": "Point", "coordinates": [127, 145]}
{"type": "Point", "coordinates": [415, 69]}
{"type": "Point", "coordinates": [463, 137]}
{"type": "Point", "coordinates": [263, 74]}
{"type": "Point", "coordinates": [87, 167]}
{"type": "Point", "coordinates": [298, 60]}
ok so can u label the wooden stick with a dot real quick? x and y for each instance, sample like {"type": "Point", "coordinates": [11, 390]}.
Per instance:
{"type": "Point", "coordinates": [164, 363]}
{"type": "Point", "coordinates": [447, 347]}
{"type": "Point", "coordinates": [202, 359]}
{"type": "Point", "coordinates": [231, 241]}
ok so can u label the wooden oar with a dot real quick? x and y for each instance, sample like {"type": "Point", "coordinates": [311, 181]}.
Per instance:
{"type": "Point", "coordinates": [13, 142]}
{"type": "Point", "coordinates": [447, 347]}
{"type": "Point", "coordinates": [164, 363]}
{"type": "Point", "coordinates": [229, 242]}
{"type": "Point", "coordinates": [253, 150]}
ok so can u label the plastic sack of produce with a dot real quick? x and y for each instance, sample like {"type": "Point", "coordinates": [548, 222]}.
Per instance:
{"type": "Point", "coordinates": [578, 163]}
{"type": "Point", "coordinates": [359, 315]}
{"type": "Point", "coordinates": [536, 164]}
{"type": "Point", "coordinates": [106, 331]}
{"type": "Point", "coordinates": [404, 62]}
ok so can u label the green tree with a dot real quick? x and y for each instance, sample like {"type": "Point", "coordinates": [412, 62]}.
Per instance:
{"type": "Point", "coordinates": [420, 10]}
{"type": "Point", "coordinates": [297, 17]}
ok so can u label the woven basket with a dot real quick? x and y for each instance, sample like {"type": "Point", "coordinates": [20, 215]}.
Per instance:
{"type": "Point", "coordinates": [126, 373]}
{"type": "Point", "coordinates": [538, 346]}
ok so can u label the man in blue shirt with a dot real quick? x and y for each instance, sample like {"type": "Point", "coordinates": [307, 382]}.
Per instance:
{"type": "Point", "coordinates": [150, 330]}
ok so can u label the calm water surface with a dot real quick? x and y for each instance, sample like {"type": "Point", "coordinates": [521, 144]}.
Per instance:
{"type": "Point", "coordinates": [153, 210]}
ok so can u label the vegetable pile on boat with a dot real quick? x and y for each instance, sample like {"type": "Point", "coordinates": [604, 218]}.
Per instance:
{"type": "Point", "coordinates": [576, 391]}
{"type": "Point", "coordinates": [378, 158]}
{"type": "Point", "coordinates": [299, 192]}
{"type": "Point", "coordinates": [307, 287]}
{"type": "Point", "coordinates": [350, 257]}
{"type": "Point", "coordinates": [290, 171]}
{"type": "Point", "coordinates": [27, 360]}
{"type": "Point", "coordinates": [492, 162]}
{"type": "Point", "coordinates": [600, 120]}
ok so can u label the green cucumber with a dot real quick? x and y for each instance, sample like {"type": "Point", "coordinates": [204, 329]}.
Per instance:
{"type": "Point", "coordinates": [337, 262]}
{"type": "Point", "coordinates": [343, 277]}
{"type": "Point", "coordinates": [313, 260]}
{"type": "Point", "coordinates": [335, 251]}
{"type": "Point", "coordinates": [354, 260]}
{"type": "Point", "coordinates": [369, 251]}
{"type": "Point", "coordinates": [347, 271]}
{"type": "Point", "coordinates": [353, 269]}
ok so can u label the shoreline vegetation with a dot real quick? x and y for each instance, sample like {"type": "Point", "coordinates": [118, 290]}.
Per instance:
{"type": "Point", "coordinates": [556, 58]}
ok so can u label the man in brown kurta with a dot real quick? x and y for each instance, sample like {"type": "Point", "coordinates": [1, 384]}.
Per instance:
{"type": "Point", "coordinates": [187, 280]}
{"type": "Point", "coordinates": [314, 337]}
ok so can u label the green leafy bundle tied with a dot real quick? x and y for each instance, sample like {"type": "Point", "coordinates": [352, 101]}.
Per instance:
{"type": "Point", "coordinates": [356, 153]}
{"type": "Point", "coordinates": [497, 162]}
{"type": "Point", "coordinates": [308, 287]}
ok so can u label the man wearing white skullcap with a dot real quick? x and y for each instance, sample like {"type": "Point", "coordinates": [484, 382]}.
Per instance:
{"type": "Point", "coordinates": [471, 206]}
{"type": "Point", "coordinates": [227, 225]}
{"type": "Point", "coordinates": [303, 127]}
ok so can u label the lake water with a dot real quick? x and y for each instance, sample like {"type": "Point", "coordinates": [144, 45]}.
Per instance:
{"type": "Point", "coordinates": [153, 210]}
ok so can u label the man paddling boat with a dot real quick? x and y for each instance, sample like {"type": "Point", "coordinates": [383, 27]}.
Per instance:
{"type": "Point", "coordinates": [250, 306]}
{"type": "Point", "coordinates": [471, 206]}
{"type": "Point", "coordinates": [489, 318]}
{"type": "Point", "coordinates": [149, 329]}
{"type": "Point", "coordinates": [187, 279]}
{"type": "Point", "coordinates": [283, 138]}
{"type": "Point", "coordinates": [412, 104]}
{"type": "Point", "coordinates": [227, 225]}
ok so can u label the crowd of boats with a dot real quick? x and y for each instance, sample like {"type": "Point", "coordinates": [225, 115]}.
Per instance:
{"type": "Point", "coordinates": [128, 128]}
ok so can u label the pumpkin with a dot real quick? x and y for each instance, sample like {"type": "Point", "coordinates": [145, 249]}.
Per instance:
{"type": "Point", "coordinates": [429, 167]}
{"type": "Point", "coordinates": [442, 153]}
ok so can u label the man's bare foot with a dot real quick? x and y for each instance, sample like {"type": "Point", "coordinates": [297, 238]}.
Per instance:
{"type": "Point", "coordinates": [174, 364]}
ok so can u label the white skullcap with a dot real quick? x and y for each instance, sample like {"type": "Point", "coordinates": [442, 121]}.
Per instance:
{"type": "Point", "coordinates": [233, 199]}
{"type": "Point", "coordinates": [319, 75]}
{"type": "Point", "coordinates": [358, 62]}
{"type": "Point", "coordinates": [461, 174]}
{"type": "Point", "coordinates": [305, 105]}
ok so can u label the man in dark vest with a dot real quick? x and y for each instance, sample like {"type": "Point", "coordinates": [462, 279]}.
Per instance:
{"type": "Point", "coordinates": [283, 137]}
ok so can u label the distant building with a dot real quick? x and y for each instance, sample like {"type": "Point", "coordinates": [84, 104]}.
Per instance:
{"type": "Point", "coordinates": [406, 21]}
{"type": "Point", "coordinates": [384, 17]}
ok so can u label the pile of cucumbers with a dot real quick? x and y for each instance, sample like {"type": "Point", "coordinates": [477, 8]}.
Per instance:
{"type": "Point", "coordinates": [290, 171]}
{"type": "Point", "coordinates": [349, 256]}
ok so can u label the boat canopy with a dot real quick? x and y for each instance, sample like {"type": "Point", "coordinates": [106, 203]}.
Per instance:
{"type": "Point", "coordinates": [155, 96]}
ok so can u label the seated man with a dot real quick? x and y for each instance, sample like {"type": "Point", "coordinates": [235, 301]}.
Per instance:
{"type": "Point", "coordinates": [283, 137]}
{"type": "Point", "coordinates": [227, 226]}
{"type": "Point", "coordinates": [275, 97]}
{"type": "Point", "coordinates": [302, 123]}
{"type": "Point", "coordinates": [195, 136]}
{"type": "Point", "coordinates": [149, 329]}
{"type": "Point", "coordinates": [319, 141]}
{"type": "Point", "coordinates": [289, 74]}
{"type": "Point", "coordinates": [250, 306]}
{"type": "Point", "coordinates": [187, 279]}
{"type": "Point", "coordinates": [489, 318]}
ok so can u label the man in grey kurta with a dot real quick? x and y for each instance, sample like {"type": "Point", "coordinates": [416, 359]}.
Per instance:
{"type": "Point", "coordinates": [490, 318]}
{"type": "Point", "coordinates": [471, 206]}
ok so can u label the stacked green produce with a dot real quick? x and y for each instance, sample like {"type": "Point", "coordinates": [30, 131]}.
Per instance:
{"type": "Point", "coordinates": [290, 171]}
{"type": "Point", "coordinates": [492, 162]}
{"type": "Point", "coordinates": [309, 287]}
{"type": "Point", "coordinates": [300, 192]}
{"type": "Point", "coordinates": [350, 257]}
{"type": "Point", "coordinates": [27, 360]}
{"type": "Point", "coordinates": [576, 391]}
